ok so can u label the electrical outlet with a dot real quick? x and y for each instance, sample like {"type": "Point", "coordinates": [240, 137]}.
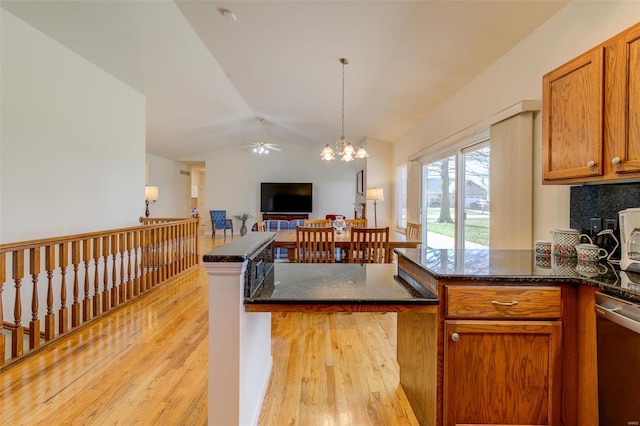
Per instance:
{"type": "Point", "coordinates": [611, 224]}
{"type": "Point", "coordinates": [595, 225]}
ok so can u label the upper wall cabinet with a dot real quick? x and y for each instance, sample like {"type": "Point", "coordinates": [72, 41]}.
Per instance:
{"type": "Point", "coordinates": [591, 114]}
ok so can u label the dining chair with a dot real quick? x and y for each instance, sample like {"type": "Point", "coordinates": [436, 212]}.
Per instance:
{"type": "Point", "coordinates": [260, 226]}
{"type": "Point", "coordinates": [414, 231]}
{"type": "Point", "coordinates": [369, 245]}
{"type": "Point", "coordinates": [317, 223]}
{"type": "Point", "coordinates": [356, 223]}
{"type": "Point", "coordinates": [315, 245]}
{"type": "Point", "coordinates": [219, 221]}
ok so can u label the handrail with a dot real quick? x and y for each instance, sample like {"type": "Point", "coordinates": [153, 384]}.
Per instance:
{"type": "Point", "coordinates": [85, 276]}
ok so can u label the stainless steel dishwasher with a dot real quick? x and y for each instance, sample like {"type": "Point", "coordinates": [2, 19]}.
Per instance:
{"type": "Point", "coordinates": [618, 333]}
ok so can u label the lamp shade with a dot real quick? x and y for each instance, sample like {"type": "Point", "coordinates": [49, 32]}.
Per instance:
{"type": "Point", "coordinates": [374, 194]}
{"type": "Point", "coordinates": [151, 193]}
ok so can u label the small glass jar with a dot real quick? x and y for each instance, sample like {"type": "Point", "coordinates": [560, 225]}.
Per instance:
{"type": "Point", "coordinates": [339, 224]}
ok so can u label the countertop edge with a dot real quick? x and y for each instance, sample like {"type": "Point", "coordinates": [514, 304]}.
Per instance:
{"type": "Point", "coordinates": [614, 290]}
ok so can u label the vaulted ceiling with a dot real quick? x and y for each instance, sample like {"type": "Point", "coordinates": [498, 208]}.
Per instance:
{"type": "Point", "coordinates": [207, 77]}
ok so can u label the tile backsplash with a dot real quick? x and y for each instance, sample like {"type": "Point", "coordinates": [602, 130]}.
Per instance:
{"type": "Point", "coordinates": [601, 201]}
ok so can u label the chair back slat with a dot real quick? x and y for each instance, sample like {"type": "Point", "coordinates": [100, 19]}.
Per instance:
{"type": "Point", "coordinates": [356, 223]}
{"type": "Point", "coordinates": [315, 245]}
{"type": "Point", "coordinates": [369, 245]}
{"type": "Point", "coordinates": [261, 227]}
{"type": "Point", "coordinates": [414, 231]}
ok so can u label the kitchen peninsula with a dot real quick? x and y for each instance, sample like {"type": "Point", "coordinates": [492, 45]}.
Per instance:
{"type": "Point", "coordinates": [484, 336]}
{"type": "Point", "coordinates": [515, 341]}
{"type": "Point", "coordinates": [245, 286]}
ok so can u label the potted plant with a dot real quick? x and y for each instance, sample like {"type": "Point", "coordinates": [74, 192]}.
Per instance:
{"type": "Point", "coordinates": [242, 217]}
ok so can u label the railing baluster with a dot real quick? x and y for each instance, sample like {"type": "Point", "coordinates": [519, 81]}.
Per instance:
{"type": "Point", "coordinates": [157, 259]}
{"type": "Point", "coordinates": [17, 333]}
{"type": "Point", "coordinates": [144, 259]}
{"type": "Point", "coordinates": [152, 266]}
{"type": "Point", "coordinates": [3, 274]}
{"type": "Point", "coordinates": [176, 249]}
{"type": "Point", "coordinates": [75, 261]}
{"type": "Point", "coordinates": [105, 280]}
{"type": "Point", "coordinates": [63, 313]}
{"type": "Point", "coordinates": [180, 249]}
{"type": "Point", "coordinates": [34, 324]}
{"type": "Point", "coordinates": [97, 306]}
{"type": "Point", "coordinates": [114, 275]}
{"type": "Point", "coordinates": [136, 265]}
{"type": "Point", "coordinates": [123, 285]}
{"type": "Point", "coordinates": [86, 302]}
{"type": "Point", "coordinates": [130, 280]}
{"type": "Point", "coordinates": [50, 266]}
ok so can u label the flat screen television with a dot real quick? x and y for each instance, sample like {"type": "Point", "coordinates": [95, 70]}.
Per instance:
{"type": "Point", "coordinates": [286, 197]}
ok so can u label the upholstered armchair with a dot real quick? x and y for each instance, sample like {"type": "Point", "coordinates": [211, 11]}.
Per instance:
{"type": "Point", "coordinates": [219, 221]}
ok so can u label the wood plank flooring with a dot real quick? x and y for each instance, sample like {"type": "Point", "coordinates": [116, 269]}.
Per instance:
{"type": "Point", "coordinates": [146, 364]}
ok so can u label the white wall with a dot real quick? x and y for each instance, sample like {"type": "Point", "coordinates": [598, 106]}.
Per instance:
{"type": "Point", "coordinates": [72, 141]}
{"type": "Point", "coordinates": [174, 188]}
{"type": "Point", "coordinates": [234, 174]}
{"type": "Point", "coordinates": [518, 75]}
{"type": "Point", "coordinates": [380, 173]}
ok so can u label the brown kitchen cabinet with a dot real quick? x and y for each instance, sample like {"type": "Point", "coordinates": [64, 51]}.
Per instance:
{"type": "Point", "coordinates": [591, 114]}
{"type": "Point", "coordinates": [502, 355]}
{"type": "Point", "coordinates": [622, 106]}
{"type": "Point", "coordinates": [572, 114]}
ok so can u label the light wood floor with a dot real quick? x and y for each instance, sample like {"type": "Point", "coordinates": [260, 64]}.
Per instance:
{"type": "Point", "coordinates": [146, 364]}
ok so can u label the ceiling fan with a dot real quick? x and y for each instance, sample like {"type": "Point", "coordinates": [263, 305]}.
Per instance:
{"type": "Point", "coordinates": [261, 147]}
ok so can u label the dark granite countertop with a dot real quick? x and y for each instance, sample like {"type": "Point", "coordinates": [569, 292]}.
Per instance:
{"type": "Point", "coordinates": [521, 266]}
{"type": "Point", "coordinates": [241, 249]}
{"type": "Point", "coordinates": [340, 283]}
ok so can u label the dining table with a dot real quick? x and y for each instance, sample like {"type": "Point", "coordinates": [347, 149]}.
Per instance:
{"type": "Point", "coordinates": [287, 239]}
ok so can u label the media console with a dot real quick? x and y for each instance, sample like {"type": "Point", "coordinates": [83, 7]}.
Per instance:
{"type": "Point", "coordinates": [284, 216]}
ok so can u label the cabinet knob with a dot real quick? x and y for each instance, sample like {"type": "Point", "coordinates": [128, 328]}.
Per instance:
{"type": "Point", "coordinates": [591, 163]}
{"type": "Point", "coordinates": [615, 160]}
{"type": "Point", "coordinates": [455, 337]}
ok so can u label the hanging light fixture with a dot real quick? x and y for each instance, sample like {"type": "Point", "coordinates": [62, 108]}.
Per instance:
{"type": "Point", "coordinates": [261, 147]}
{"type": "Point", "coordinates": [343, 146]}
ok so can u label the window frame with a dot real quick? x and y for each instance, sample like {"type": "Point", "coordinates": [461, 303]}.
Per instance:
{"type": "Point", "coordinates": [477, 141]}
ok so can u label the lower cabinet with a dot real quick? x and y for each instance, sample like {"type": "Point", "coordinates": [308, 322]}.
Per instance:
{"type": "Point", "coordinates": [502, 355]}
{"type": "Point", "coordinates": [502, 372]}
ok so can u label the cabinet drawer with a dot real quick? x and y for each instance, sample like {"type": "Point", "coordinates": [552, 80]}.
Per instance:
{"type": "Point", "coordinates": [503, 302]}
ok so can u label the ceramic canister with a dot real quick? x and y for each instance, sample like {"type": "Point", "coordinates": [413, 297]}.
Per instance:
{"type": "Point", "coordinates": [543, 248]}
{"type": "Point", "coordinates": [565, 242]}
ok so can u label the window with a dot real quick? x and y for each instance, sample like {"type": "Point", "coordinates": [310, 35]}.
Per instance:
{"type": "Point", "coordinates": [401, 196]}
{"type": "Point", "coordinates": [439, 194]}
{"type": "Point", "coordinates": [452, 185]}
{"type": "Point", "coordinates": [476, 196]}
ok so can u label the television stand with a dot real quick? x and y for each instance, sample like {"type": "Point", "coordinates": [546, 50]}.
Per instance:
{"type": "Point", "coordinates": [284, 216]}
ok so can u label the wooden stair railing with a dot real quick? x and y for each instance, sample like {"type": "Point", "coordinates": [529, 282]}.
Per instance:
{"type": "Point", "coordinates": [77, 278]}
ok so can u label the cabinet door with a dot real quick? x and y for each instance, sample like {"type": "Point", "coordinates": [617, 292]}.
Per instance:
{"type": "Point", "coordinates": [626, 145]}
{"type": "Point", "coordinates": [572, 125]}
{"type": "Point", "coordinates": [502, 372]}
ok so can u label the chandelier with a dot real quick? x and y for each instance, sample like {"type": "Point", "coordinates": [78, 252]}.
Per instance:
{"type": "Point", "coordinates": [343, 146]}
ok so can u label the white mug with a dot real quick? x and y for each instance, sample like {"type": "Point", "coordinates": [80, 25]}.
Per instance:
{"type": "Point", "coordinates": [590, 252]}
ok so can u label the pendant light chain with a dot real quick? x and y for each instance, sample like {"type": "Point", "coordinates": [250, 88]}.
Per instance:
{"type": "Point", "coordinates": [344, 62]}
